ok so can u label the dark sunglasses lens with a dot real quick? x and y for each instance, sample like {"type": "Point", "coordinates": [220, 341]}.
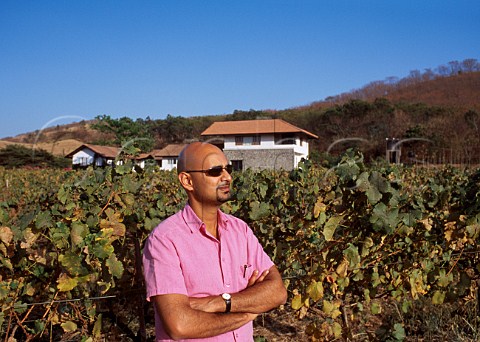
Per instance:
{"type": "Point", "coordinates": [217, 170]}
{"type": "Point", "coordinates": [214, 171]}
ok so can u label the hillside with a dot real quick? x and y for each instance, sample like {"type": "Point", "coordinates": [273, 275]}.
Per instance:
{"type": "Point", "coordinates": [442, 107]}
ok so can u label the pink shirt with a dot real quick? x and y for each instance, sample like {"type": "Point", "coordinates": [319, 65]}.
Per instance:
{"type": "Point", "coordinates": [181, 257]}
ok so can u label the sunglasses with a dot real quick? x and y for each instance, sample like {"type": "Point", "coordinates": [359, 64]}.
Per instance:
{"type": "Point", "coordinates": [215, 171]}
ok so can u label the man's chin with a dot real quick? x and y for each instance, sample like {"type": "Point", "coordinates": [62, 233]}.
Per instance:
{"type": "Point", "coordinates": [224, 198]}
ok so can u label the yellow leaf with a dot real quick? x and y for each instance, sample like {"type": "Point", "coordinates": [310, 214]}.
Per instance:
{"type": "Point", "coordinates": [69, 326]}
{"type": "Point", "coordinates": [319, 207]}
{"type": "Point", "coordinates": [97, 328]}
{"type": "Point", "coordinates": [331, 309]}
{"type": "Point", "coordinates": [29, 237]}
{"type": "Point", "coordinates": [427, 223]}
{"type": "Point", "coordinates": [438, 297]}
{"type": "Point", "coordinates": [315, 290]}
{"type": "Point", "coordinates": [297, 302]}
{"type": "Point", "coordinates": [342, 268]}
{"type": "Point", "coordinates": [65, 283]}
{"type": "Point", "coordinates": [6, 235]}
{"type": "Point", "coordinates": [448, 235]}
{"type": "Point", "coordinates": [337, 330]}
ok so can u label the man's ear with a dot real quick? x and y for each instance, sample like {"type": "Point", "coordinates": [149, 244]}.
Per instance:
{"type": "Point", "coordinates": [186, 181]}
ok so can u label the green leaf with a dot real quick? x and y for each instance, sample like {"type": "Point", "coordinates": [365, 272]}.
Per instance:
{"type": "Point", "coordinates": [330, 227]}
{"type": "Point", "coordinates": [331, 309]}
{"type": "Point", "coordinates": [398, 332]}
{"type": "Point", "coordinates": [438, 297]}
{"type": "Point", "coordinates": [351, 254]}
{"type": "Point", "coordinates": [97, 328]}
{"type": "Point", "coordinates": [102, 248]}
{"type": "Point", "coordinates": [114, 266]}
{"type": "Point", "coordinates": [72, 262]}
{"type": "Point", "coordinates": [315, 290]}
{"type": "Point", "coordinates": [259, 210]}
{"type": "Point", "coordinates": [65, 283]}
{"type": "Point", "coordinates": [43, 220]}
{"type": "Point", "coordinates": [69, 326]}
{"type": "Point", "coordinates": [375, 308]}
{"type": "Point", "coordinates": [78, 232]}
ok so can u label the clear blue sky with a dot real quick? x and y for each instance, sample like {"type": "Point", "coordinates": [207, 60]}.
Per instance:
{"type": "Point", "coordinates": [61, 61]}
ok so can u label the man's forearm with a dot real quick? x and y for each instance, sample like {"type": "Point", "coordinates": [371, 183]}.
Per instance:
{"type": "Point", "coordinates": [181, 321]}
{"type": "Point", "coordinates": [260, 296]}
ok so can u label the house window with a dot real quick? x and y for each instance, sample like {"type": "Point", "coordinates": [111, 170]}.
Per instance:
{"type": "Point", "coordinates": [256, 140]}
{"type": "Point", "coordinates": [238, 140]}
{"type": "Point", "coordinates": [237, 165]}
{"type": "Point", "coordinates": [172, 161]}
{"type": "Point", "coordinates": [285, 139]}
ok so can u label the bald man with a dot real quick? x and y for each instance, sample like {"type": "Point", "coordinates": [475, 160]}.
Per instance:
{"type": "Point", "coordinates": [205, 271]}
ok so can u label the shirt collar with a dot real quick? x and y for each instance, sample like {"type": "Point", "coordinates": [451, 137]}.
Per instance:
{"type": "Point", "coordinates": [194, 223]}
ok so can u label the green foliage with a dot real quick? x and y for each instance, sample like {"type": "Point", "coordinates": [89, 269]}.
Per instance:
{"type": "Point", "coordinates": [126, 131]}
{"type": "Point", "coordinates": [19, 156]}
{"type": "Point", "coordinates": [342, 237]}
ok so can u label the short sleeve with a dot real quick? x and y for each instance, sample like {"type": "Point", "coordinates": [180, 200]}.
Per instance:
{"type": "Point", "coordinates": [161, 267]}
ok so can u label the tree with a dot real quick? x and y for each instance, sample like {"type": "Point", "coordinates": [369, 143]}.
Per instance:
{"type": "Point", "coordinates": [125, 131]}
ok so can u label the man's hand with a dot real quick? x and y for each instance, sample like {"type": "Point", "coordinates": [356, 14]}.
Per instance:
{"type": "Point", "coordinates": [215, 303]}
{"type": "Point", "coordinates": [255, 278]}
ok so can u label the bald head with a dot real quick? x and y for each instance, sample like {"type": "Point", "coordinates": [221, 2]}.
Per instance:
{"type": "Point", "coordinates": [193, 156]}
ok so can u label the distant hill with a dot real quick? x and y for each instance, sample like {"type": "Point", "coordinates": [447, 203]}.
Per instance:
{"type": "Point", "coordinates": [441, 105]}
{"type": "Point", "coordinates": [456, 91]}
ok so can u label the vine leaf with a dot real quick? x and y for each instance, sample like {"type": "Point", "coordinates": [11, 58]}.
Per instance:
{"type": "Point", "coordinates": [6, 235]}
{"type": "Point", "coordinates": [330, 226]}
{"type": "Point", "coordinates": [331, 309]}
{"type": "Point", "coordinates": [259, 210]}
{"type": "Point", "coordinates": [297, 302]}
{"type": "Point", "coordinates": [69, 326]}
{"type": "Point", "coordinates": [438, 297]}
{"type": "Point", "coordinates": [66, 283]}
{"type": "Point", "coordinates": [320, 207]}
{"type": "Point", "coordinates": [315, 290]}
{"type": "Point", "coordinates": [114, 266]}
{"type": "Point", "coordinates": [114, 222]}
{"type": "Point", "coordinates": [78, 232]}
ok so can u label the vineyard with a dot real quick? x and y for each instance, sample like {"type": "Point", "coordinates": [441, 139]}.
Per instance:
{"type": "Point", "coordinates": [351, 241]}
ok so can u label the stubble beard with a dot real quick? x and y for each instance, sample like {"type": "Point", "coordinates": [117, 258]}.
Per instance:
{"type": "Point", "coordinates": [222, 196]}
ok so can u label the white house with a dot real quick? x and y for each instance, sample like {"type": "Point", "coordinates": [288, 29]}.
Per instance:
{"type": "Point", "coordinates": [166, 158]}
{"type": "Point", "coordinates": [97, 155]}
{"type": "Point", "coordinates": [261, 144]}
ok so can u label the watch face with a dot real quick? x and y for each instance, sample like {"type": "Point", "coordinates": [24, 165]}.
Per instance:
{"type": "Point", "coordinates": [226, 296]}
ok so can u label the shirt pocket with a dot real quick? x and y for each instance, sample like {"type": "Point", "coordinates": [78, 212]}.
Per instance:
{"type": "Point", "coordinates": [246, 271]}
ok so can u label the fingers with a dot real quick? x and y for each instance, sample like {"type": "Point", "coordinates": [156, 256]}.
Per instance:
{"type": "Point", "coordinates": [255, 278]}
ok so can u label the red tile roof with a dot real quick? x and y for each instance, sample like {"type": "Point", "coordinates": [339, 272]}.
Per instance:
{"type": "Point", "coordinates": [172, 150]}
{"type": "Point", "coordinates": [245, 127]}
{"type": "Point", "coordinates": [104, 151]}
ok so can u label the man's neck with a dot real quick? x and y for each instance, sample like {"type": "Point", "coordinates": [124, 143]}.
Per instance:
{"type": "Point", "coordinates": [208, 215]}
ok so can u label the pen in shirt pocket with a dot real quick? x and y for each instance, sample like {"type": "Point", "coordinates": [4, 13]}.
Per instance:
{"type": "Point", "coordinates": [245, 269]}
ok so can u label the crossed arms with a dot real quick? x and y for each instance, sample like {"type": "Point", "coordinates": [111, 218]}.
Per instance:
{"type": "Point", "coordinates": [186, 317]}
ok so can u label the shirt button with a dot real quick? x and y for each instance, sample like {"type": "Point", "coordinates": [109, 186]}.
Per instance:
{"type": "Point", "coordinates": [227, 285]}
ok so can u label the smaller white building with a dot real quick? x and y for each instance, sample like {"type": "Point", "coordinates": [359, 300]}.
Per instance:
{"type": "Point", "coordinates": [96, 155]}
{"type": "Point", "coordinates": [166, 158]}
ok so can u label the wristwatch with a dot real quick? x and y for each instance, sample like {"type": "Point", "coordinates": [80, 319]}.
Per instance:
{"type": "Point", "coordinates": [228, 301]}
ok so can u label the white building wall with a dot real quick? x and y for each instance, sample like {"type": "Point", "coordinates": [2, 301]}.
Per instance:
{"type": "Point", "coordinates": [169, 164]}
{"type": "Point", "coordinates": [267, 141]}
{"type": "Point", "coordinates": [85, 157]}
